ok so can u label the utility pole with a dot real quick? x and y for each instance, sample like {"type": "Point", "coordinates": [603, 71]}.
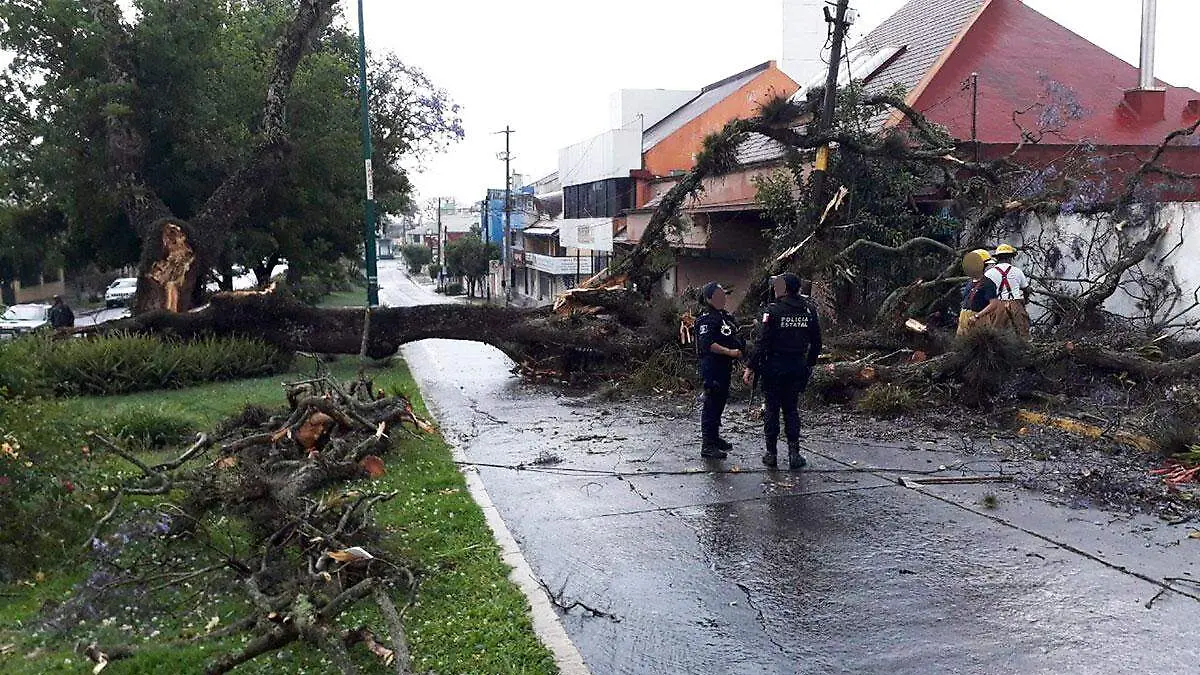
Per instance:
{"type": "Point", "coordinates": [369, 209]}
{"type": "Point", "coordinates": [821, 166]}
{"type": "Point", "coordinates": [483, 222]}
{"type": "Point", "coordinates": [507, 247]}
{"type": "Point", "coordinates": [441, 239]}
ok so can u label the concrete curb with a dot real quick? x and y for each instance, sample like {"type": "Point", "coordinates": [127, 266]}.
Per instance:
{"type": "Point", "coordinates": [546, 624]}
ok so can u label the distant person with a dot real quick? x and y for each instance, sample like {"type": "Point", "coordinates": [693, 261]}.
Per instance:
{"type": "Point", "coordinates": [718, 347]}
{"type": "Point", "coordinates": [61, 316]}
{"type": "Point", "coordinates": [784, 359]}
{"type": "Point", "coordinates": [1007, 311]}
{"type": "Point", "coordinates": [977, 293]}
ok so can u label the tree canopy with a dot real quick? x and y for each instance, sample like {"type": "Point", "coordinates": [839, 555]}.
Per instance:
{"type": "Point", "coordinates": [174, 93]}
{"type": "Point", "coordinates": [416, 256]}
{"type": "Point", "coordinates": [468, 258]}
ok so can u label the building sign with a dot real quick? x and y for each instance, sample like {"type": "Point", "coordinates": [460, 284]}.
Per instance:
{"type": "Point", "coordinates": [591, 234]}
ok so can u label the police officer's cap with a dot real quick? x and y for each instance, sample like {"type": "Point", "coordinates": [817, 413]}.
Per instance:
{"type": "Point", "coordinates": [710, 289]}
{"type": "Point", "coordinates": [791, 283]}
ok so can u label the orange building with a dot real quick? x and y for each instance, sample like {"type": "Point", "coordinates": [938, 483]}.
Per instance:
{"type": "Point", "coordinates": [670, 146]}
{"type": "Point", "coordinates": [609, 181]}
{"type": "Point", "coordinates": [724, 233]}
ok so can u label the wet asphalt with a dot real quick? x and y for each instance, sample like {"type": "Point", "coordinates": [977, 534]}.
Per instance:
{"type": "Point", "coordinates": [696, 567]}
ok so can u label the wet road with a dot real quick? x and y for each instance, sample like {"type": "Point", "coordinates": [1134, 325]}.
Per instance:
{"type": "Point", "coordinates": [398, 290]}
{"type": "Point", "coordinates": [833, 571]}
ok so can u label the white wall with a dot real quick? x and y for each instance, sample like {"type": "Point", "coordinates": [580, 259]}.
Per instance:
{"type": "Point", "coordinates": [655, 104]}
{"type": "Point", "coordinates": [612, 154]}
{"type": "Point", "coordinates": [1084, 256]}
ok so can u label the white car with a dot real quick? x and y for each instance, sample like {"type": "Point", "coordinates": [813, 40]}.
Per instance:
{"type": "Point", "coordinates": [21, 319]}
{"type": "Point", "coordinates": [120, 292]}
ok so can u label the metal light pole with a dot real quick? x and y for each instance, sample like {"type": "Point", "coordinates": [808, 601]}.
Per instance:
{"type": "Point", "coordinates": [369, 211]}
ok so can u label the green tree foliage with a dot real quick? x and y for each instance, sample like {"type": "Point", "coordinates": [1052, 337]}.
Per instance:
{"type": "Point", "coordinates": [195, 93]}
{"type": "Point", "coordinates": [468, 258]}
{"type": "Point", "coordinates": [416, 256]}
{"type": "Point", "coordinates": [30, 246]}
{"type": "Point", "coordinates": [880, 206]}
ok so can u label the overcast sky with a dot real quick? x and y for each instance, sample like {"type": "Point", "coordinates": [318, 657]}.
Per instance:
{"type": "Point", "coordinates": [548, 67]}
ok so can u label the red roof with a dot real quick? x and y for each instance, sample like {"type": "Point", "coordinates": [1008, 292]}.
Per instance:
{"type": "Point", "coordinates": [1026, 61]}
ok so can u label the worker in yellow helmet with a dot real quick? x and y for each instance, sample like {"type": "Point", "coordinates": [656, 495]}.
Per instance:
{"type": "Point", "coordinates": [978, 292]}
{"type": "Point", "coordinates": [1007, 310]}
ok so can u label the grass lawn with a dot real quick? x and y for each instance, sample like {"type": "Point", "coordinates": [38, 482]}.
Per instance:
{"type": "Point", "coordinates": [356, 297]}
{"type": "Point", "coordinates": [468, 617]}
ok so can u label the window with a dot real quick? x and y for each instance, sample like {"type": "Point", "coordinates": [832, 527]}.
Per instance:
{"type": "Point", "coordinates": [601, 199]}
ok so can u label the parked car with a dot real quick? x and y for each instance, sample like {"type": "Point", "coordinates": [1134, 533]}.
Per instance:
{"type": "Point", "coordinates": [22, 319]}
{"type": "Point", "coordinates": [120, 292]}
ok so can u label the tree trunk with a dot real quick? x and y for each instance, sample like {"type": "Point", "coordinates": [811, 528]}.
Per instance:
{"type": "Point", "coordinates": [262, 273]}
{"type": "Point", "coordinates": [176, 255]}
{"type": "Point", "coordinates": [524, 335]}
{"type": "Point", "coordinates": [172, 269]}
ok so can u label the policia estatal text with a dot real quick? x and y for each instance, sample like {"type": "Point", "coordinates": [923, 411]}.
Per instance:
{"type": "Point", "coordinates": [786, 353]}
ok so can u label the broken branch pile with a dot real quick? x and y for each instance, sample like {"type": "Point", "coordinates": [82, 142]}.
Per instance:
{"type": "Point", "coordinates": [309, 558]}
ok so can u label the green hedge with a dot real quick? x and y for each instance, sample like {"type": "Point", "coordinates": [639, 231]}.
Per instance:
{"type": "Point", "coordinates": [121, 364]}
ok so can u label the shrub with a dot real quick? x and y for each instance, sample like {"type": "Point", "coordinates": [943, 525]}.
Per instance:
{"type": "Point", "coordinates": [435, 270]}
{"type": "Point", "coordinates": [453, 288]}
{"type": "Point", "coordinates": [416, 256]}
{"type": "Point", "coordinates": [887, 400]}
{"type": "Point", "coordinates": [315, 286]}
{"type": "Point", "coordinates": [120, 364]}
{"type": "Point", "coordinates": [41, 513]}
{"type": "Point", "coordinates": [146, 428]}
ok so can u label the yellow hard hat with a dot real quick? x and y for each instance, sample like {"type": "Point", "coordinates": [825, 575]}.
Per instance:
{"type": "Point", "coordinates": [974, 262]}
{"type": "Point", "coordinates": [1005, 249]}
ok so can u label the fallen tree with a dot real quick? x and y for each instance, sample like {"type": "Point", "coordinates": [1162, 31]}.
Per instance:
{"type": "Point", "coordinates": [610, 332]}
{"type": "Point", "coordinates": [309, 560]}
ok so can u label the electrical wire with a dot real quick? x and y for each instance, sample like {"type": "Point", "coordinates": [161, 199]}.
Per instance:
{"type": "Point", "coordinates": [606, 473]}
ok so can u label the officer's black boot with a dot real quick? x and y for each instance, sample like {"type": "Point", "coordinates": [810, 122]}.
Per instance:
{"type": "Point", "coordinates": [723, 444]}
{"type": "Point", "coordinates": [796, 460]}
{"type": "Point", "coordinates": [770, 458]}
{"type": "Point", "coordinates": [710, 450]}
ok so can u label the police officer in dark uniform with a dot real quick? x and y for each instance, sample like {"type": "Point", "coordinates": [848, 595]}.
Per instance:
{"type": "Point", "coordinates": [786, 353]}
{"type": "Point", "coordinates": [718, 346]}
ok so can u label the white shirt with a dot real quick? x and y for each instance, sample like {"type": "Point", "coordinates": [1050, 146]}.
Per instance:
{"type": "Point", "coordinates": [1010, 281]}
